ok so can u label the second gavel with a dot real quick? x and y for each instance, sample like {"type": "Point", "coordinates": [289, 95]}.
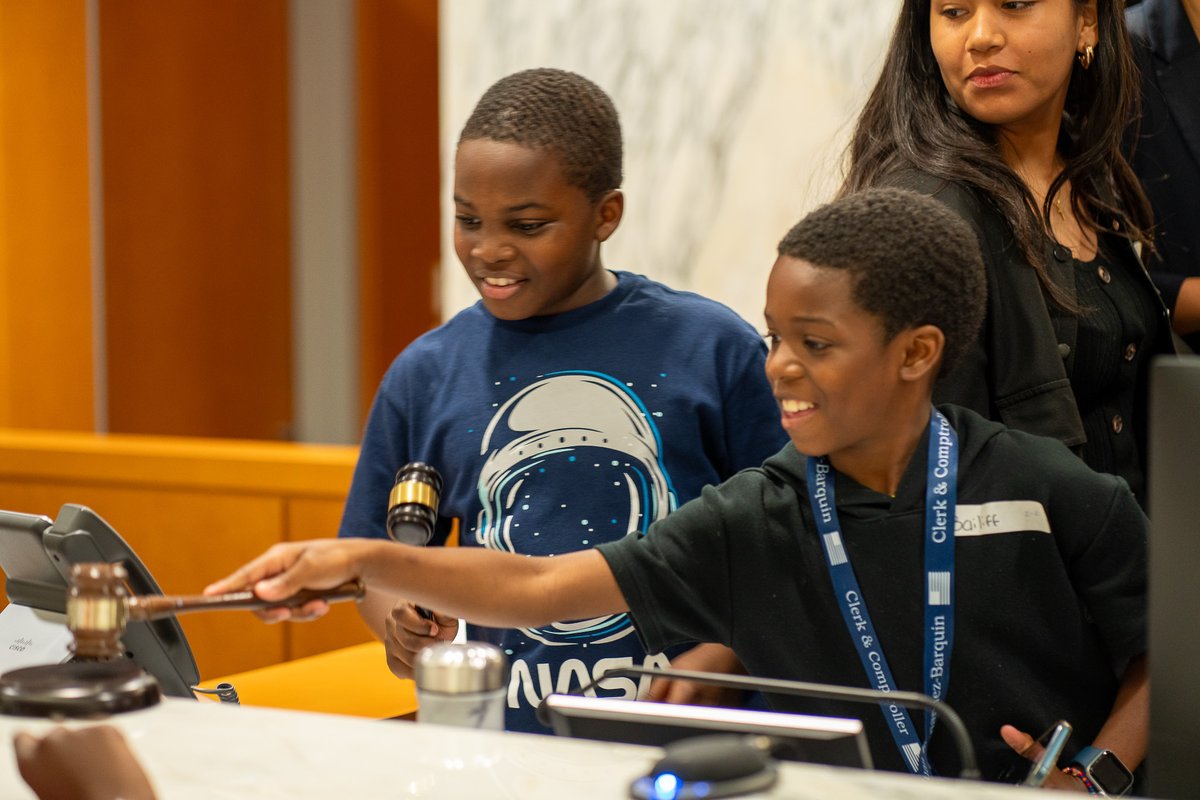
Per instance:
{"type": "Point", "coordinates": [99, 606]}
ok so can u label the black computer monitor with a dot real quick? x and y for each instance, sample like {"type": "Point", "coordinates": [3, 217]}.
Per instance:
{"type": "Point", "coordinates": [800, 737]}
{"type": "Point", "coordinates": [36, 556]}
{"type": "Point", "coordinates": [1173, 481]}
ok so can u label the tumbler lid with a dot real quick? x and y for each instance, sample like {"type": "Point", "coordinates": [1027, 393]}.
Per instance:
{"type": "Point", "coordinates": [460, 667]}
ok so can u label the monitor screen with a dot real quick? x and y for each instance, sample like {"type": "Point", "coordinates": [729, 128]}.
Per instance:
{"type": "Point", "coordinates": [800, 737]}
{"type": "Point", "coordinates": [1173, 481]}
{"type": "Point", "coordinates": [36, 556]}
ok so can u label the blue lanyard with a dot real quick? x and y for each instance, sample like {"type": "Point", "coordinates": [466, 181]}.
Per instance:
{"type": "Point", "coordinates": [941, 488]}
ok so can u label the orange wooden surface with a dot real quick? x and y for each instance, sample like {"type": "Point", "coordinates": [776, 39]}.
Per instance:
{"type": "Point", "coordinates": [399, 181]}
{"type": "Point", "coordinates": [45, 278]}
{"type": "Point", "coordinates": [196, 210]}
{"type": "Point", "coordinates": [194, 510]}
{"type": "Point", "coordinates": [353, 680]}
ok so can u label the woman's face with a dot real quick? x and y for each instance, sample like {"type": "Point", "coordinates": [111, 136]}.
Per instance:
{"type": "Point", "coordinates": [1008, 62]}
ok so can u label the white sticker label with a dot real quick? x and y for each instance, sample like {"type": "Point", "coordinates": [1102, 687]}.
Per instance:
{"type": "Point", "coordinates": [1002, 516]}
{"type": "Point", "coordinates": [31, 637]}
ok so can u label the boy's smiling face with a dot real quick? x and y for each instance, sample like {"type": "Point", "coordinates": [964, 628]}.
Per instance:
{"type": "Point", "coordinates": [528, 239]}
{"type": "Point", "coordinates": [835, 378]}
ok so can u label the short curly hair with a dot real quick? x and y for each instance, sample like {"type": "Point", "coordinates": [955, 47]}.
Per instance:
{"type": "Point", "coordinates": [913, 262]}
{"type": "Point", "coordinates": [559, 111]}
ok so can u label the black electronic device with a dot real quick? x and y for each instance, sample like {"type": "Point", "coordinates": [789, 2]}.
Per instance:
{"type": "Point", "coordinates": [794, 737]}
{"type": "Point", "coordinates": [1104, 771]}
{"type": "Point", "coordinates": [1051, 742]}
{"type": "Point", "coordinates": [36, 555]}
{"type": "Point", "coordinates": [1172, 476]}
{"type": "Point", "coordinates": [709, 767]}
{"type": "Point", "coordinates": [616, 730]}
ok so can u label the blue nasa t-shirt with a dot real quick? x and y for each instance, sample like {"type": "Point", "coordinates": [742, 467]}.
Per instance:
{"type": "Point", "coordinates": [557, 433]}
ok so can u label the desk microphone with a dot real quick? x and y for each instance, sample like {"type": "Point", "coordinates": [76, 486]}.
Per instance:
{"type": "Point", "coordinates": [413, 504]}
{"type": "Point", "coordinates": [954, 723]}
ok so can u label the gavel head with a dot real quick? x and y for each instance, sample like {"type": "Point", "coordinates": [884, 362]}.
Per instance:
{"type": "Point", "coordinates": [97, 609]}
{"type": "Point", "coordinates": [413, 504]}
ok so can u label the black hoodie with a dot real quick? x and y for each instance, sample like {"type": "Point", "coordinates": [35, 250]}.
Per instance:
{"type": "Point", "coordinates": [1045, 622]}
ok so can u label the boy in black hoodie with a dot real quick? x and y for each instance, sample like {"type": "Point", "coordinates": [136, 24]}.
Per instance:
{"type": "Point", "coordinates": [1002, 575]}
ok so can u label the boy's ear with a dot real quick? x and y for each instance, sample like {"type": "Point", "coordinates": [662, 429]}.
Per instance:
{"type": "Point", "coordinates": [609, 211]}
{"type": "Point", "coordinates": [923, 350]}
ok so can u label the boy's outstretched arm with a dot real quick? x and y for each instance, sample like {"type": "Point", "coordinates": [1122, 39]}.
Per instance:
{"type": "Point", "coordinates": [488, 587]}
{"type": "Point", "coordinates": [1126, 732]}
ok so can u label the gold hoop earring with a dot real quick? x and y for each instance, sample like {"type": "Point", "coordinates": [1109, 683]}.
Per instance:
{"type": "Point", "coordinates": [1085, 58]}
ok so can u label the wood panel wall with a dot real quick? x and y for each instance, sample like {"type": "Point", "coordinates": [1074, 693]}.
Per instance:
{"type": "Point", "coordinates": [194, 510]}
{"type": "Point", "coordinates": [196, 211]}
{"type": "Point", "coordinates": [45, 270]}
{"type": "Point", "coordinates": [399, 181]}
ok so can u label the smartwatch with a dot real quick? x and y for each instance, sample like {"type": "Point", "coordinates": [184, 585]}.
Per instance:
{"type": "Point", "coordinates": [1104, 770]}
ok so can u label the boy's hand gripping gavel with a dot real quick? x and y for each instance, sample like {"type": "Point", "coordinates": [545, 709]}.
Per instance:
{"type": "Point", "coordinates": [99, 606]}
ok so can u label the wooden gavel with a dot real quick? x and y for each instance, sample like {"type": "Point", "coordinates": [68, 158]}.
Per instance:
{"type": "Point", "coordinates": [99, 606]}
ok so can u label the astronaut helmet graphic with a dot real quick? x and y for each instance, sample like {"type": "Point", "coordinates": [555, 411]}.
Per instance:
{"type": "Point", "coordinates": [572, 460]}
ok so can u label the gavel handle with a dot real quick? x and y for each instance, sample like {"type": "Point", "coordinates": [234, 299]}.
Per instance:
{"type": "Point", "coordinates": [157, 606]}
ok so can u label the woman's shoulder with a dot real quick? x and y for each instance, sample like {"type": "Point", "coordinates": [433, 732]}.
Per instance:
{"type": "Point", "coordinates": [960, 197]}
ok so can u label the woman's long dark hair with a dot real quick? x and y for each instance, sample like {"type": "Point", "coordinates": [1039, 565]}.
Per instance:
{"type": "Point", "coordinates": [911, 122]}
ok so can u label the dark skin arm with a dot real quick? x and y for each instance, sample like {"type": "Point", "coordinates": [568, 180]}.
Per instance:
{"type": "Point", "coordinates": [405, 633]}
{"type": "Point", "coordinates": [462, 583]}
{"type": "Point", "coordinates": [1125, 732]}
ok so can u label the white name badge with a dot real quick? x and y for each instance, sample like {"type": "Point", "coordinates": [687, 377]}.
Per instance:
{"type": "Point", "coordinates": [1001, 516]}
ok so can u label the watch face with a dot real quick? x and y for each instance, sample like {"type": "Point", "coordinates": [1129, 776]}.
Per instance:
{"type": "Point", "coordinates": [1110, 774]}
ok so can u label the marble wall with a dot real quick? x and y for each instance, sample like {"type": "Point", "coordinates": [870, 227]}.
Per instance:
{"type": "Point", "coordinates": [735, 114]}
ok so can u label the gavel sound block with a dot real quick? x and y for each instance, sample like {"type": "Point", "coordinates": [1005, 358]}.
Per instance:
{"type": "Point", "coordinates": [99, 606]}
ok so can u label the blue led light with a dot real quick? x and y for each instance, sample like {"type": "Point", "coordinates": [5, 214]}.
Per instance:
{"type": "Point", "coordinates": [666, 787]}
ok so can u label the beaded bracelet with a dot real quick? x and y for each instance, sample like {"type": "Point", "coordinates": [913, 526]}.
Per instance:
{"type": "Point", "coordinates": [1076, 772]}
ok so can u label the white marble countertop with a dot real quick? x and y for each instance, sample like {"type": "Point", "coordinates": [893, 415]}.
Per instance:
{"type": "Point", "coordinates": [214, 751]}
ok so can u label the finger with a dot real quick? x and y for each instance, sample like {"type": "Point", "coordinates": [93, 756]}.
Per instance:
{"type": "Point", "coordinates": [313, 609]}
{"type": "Point", "coordinates": [448, 632]}
{"type": "Point", "coordinates": [26, 745]}
{"type": "Point", "coordinates": [275, 560]}
{"type": "Point", "coordinates": [412, 641]}
{"type": "Point", "coordinates": [1024, 744]}
{"type": "Point", "coordinates": [682, 693]}
{"type": "Point", "coordinates": [402, 658]}
{"type": "Point", "coordinates": [406, 617]}
{"type": "Point", "coordinates": [658, 690]}
{"type": "Point", "coordinates": [29, 761]}
{"type": "Point", "coordinates": [444, 621]}
{"type": "Point", "coordinates": [398, 664]}
{"type": "Point", "coordinates": [273, 615]}
{"type": "Point", "coordinates": [315, 564]}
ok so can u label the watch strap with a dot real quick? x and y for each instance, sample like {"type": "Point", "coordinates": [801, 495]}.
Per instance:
{"type": "Point", "coordinates": [1076, 772]}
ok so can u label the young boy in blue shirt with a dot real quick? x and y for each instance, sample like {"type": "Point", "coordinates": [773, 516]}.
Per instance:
{"type": "Point", "coordinates": [572, 405]}
{"type": "Point", "coordinates": [1001, 574]}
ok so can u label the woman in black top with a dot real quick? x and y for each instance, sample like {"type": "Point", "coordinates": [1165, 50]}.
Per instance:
{"type": "Point", "coordinates": [1012, 113]}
